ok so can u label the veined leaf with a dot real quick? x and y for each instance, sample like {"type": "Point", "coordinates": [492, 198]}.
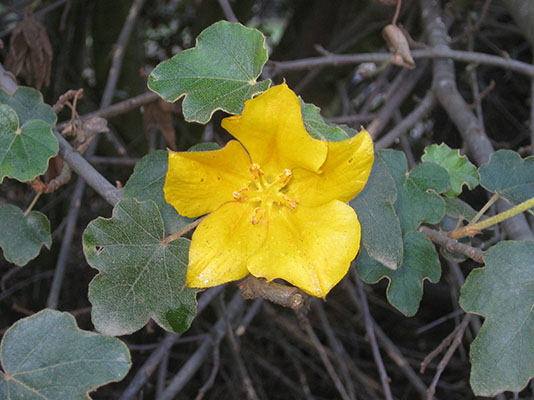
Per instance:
{"type": "Point", "coordinates": [219, 73]}
{"type": "Point", "coordinates": [47, 357]}
{"type": "Point", "coordinates": [509, 176]}
{"type": "Point", "coordinates": [29, 105]}
{"type": "Point", "coordinates": [21, 236]}
{"type": "Point", "coordinates": [317, 127]}
{"type": "Point", "coordinates": [461, 170]}
{"type": "Point", "coordinates": [502, 355]}
{"type": "Point", "coordinates": [381, 232]}
{"type": "Point", "coordinates": [24, 150]}
{"type": "Point", "coordinates": [146, 183]}
{"type": "Point", "coordinates": [141, 276]}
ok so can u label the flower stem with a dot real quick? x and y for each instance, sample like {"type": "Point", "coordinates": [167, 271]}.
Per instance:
{"type": "Point", "coordinates": [182, 231]}
{"type": "Point", "coordinates": [470, 230]}
{"type": "Point", "coordinates": [37, 195]}
{"type": "Point", "coordinates": [482, 211]}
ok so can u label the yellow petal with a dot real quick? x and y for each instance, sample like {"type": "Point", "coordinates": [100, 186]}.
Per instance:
{"type": "Point", "coordinates": [343, 175]}
{"type": "Point", "coordinates": [222, 244]}
{"type": "Point", "coordinates": [199, 182]}
{"type": "Point", "coordinates": [310, 247]}
{"type": "Point", "coordinates": [272, 131]}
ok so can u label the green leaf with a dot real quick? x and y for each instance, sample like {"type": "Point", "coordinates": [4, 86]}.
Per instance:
{"type": "Point", "coordinates": [140, 276]}
{"type": "Point", "coordinates": [207, 146]}
{"type": "Point", "coordinates": [460, 169]}
{"type": "Point", "coordinates": [219, 73]}
{"type": "Point", "coordinates": [29, 105]}
{"type": "Point", "coordinates": [24, 151]}
{"type": "Point", "coordinates": [146, 183]}
{"type": "Point", "coordinates": [381, 232]}
{"type": "Point", "coordinates": [417, 201]}
{"type": "Point", "coordinates": [502, 355]}
{"type": "Point", "coordinates": [405, 287]}
{"type": "Point", "coordinates": [509, 176]}
{"type": "Point", "coordinates": [22, 236]}
{"type": "Point", "coordinates": [46, 356]}
{"type": "Point", "coordinates": [317, 127]}
{"type": "Point", "coordinates": [457, 208]}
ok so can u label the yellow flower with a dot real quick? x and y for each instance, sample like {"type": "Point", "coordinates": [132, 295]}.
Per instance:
{"type": "Point", "coordinates": [277, 199]}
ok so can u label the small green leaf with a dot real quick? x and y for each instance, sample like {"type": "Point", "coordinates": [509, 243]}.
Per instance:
{"type": "Point", "coordinates": [417, 201]}
{"type": "Point", "coordinates": [317, 127]}
{"type": "Point", "coordinates": [47, 357]}
{"type": "Point", "coordinates": [146, 183]}
{"type": "Point", "coordinates": [509, 176]}
{"type": "Point", "coordinates": [29, 105]}
{"type": "Point", "coordinates": [381, 232]}
{"type": "Point", "coordinates": [22, 236]}
{"type": "Point", "coordinates": [405, 288]}
{"type": "Point", "coordinates": [141, 277]}
{"type": "Point", "coordinates": [219, 73]}
{"type": "Point", "coordinates": [207, 146]}
{"type": "Point", "coordinates": [24, 151]}
{"type": "Point", "coordinates": [502, 355]}
{"type": "Point", "coordinates": [454, 207]}
{"type": "Point", "coordinates": [460, 169]}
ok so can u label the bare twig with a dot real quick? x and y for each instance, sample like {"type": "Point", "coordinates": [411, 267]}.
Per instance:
{"type": "Point", "coordinates": [326, 361]}
{"type": "Point", "coordinates": [369, 327]}
{"type": "Point", "coordinates": [287, 296]}
{"type": "Point", "coordinates": [446, 358]}
{"type": "Point", "coordinates": [453, 245]}
{"type": "Point", "coordinates": [183, 231]}
{"type": "Point", "coordinates": [197, 358]}
{"type": "Point", "coordinates": [213, 374]}
{"type": "Point", "coordinates": [473, 134]}
{"type": "Point", "coordinates": [281, 67]}
{"type": "Point", "coordinates": [150, 365]}
{"type": "Point", "coordinates": [227, 10]}
{"type": "Point", "coordinates": [473, 28]}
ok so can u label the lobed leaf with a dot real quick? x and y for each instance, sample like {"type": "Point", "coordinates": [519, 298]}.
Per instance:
{"type": "Point", "coordinates": [29, 105]}
{"type": "Point", "coordinates": [405, 287]}
{"type": "Point", "coordinates": [46, 356]}
{"type": "Point", "coordinates": [381, 232]}
{"type": "Point", "coordinates": [509, 176]}
{"type": "Point", "coordinates": [219, 73]}
{"type": "Point", "coordinates": [502, 355]}
{"type": "Point", "coordinates": [461, 171]}
{"type": "Point", "coordinates": [141, 276]}
{"type": "Point", "coordinates": [22, 236]}
{"type": "Point", "coordinates": [146, 183]}
{"type": "Point", "coordinates": [24, 150]}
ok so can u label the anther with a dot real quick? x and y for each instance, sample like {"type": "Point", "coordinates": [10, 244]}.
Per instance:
{"type": "Point", "coordinates": [256, 171]}
{"type": "Point", "coordinates": [239, 194]}
{"type": "Point", "coordinates": [257, 218]}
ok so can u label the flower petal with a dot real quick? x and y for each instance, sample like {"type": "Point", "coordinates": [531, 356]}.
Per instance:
{"type": "Point", "coordinates": [221, 245]}
{"type": "Point", "coordinates": [310, 247]}
{"type": "Point", "coordinates": [272, 131]}
{"type": "Point", "coordinates": [199, 182]}
{"type": "Point", "coordinates": [343, 175]}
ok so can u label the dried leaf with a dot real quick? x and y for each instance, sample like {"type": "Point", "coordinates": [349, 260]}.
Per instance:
{"type": "Point", "coordinates": [159, 113]}
{"type": "Point", "coordinates": [398, 45]}
{"type": "Point", "coordinates": [30, 52]}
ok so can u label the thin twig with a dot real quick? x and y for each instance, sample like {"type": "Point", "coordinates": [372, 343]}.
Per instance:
{"type": "Point", "coordinates": [227, 10]}
{"type": "Point", "coordinates": [369, 327]}
{"type": "Point", "coordinates": [446, 358]}
{"type": "Point", "coordinates": [197, 358]}
{"type": "Point", "coordinates": [453, 245]}
{"type": "Point", "coordinates": [471, 29]}
{"type": "Point", "coordinates": [183, 231]}
{"type": "Point", "coordinates": [213, 374]}
{"type": "Point", "coordinates": [397, 12]}
{"type": "Point", "coordinates": [150, 365]}
{"type": "Point", "coordinates": [286, 296]}
{"type": "Point", "coordinates": [281, 67]}
{"type": "Point", "coordinates": [326, 361]}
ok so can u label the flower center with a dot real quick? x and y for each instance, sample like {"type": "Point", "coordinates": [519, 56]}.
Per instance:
{"type": "Point", "coordinates": [265, 193]}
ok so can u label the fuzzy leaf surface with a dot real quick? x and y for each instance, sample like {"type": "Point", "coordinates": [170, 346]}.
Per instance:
{"type": "Point", "coordinates": [405, 287]}
{"type": "Point", "coordinates": [146, 183]}
{"type": "Point", "coordinates": [140, 276]}
{"type": "Point", "coordinates": [47, 357]}
{"type": "Point", "coordinates": [381, 232]}
{"type": "Point", "coordinates": [509, 176]}
{"type": "Point", "coordinates": [502, 355]}
{"type": "Point", "coordinates": [219, 73]}
{"type": "Point", "coordinates": [29, 105]}
{"type": "Point", "coordinates": [24, 150]}
{"type": "Point", "coordinates": [22, 237]}
{"type": "Point", "coordinates": [317, 127]}
{"type": "Point", "coordinates": [461, 170]}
